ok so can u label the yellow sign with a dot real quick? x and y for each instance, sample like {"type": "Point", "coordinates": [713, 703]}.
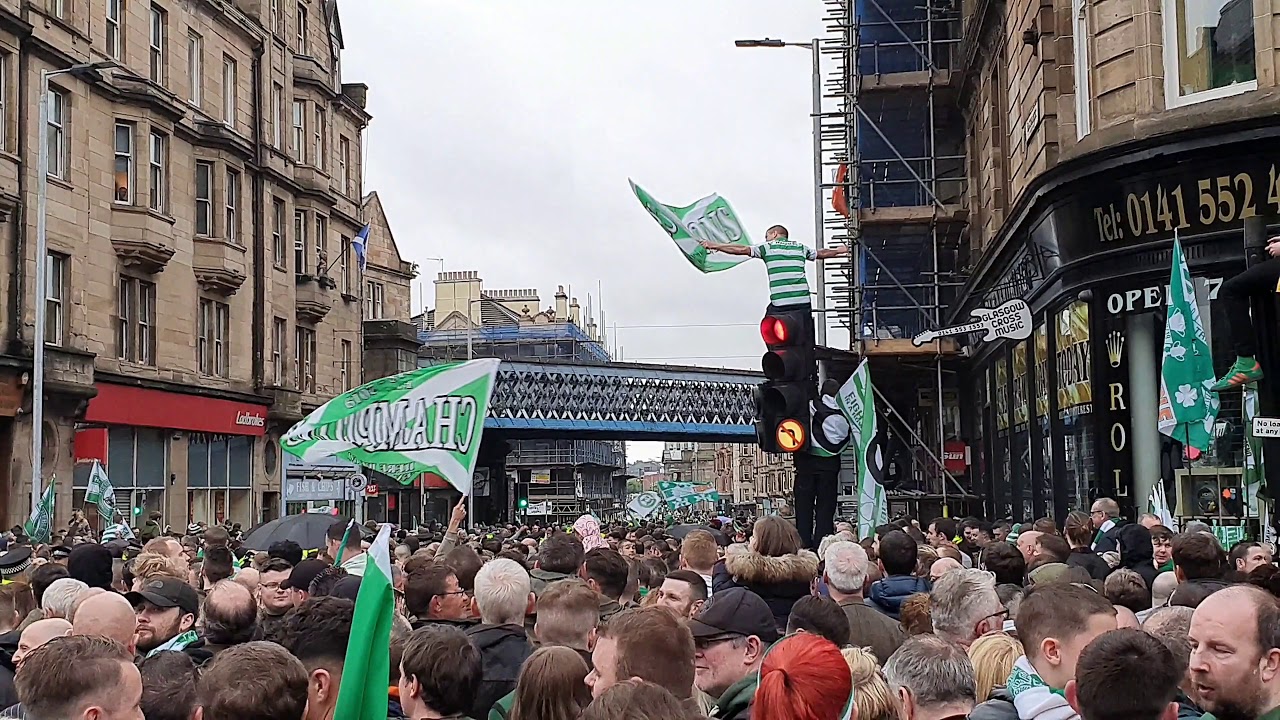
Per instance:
{"type": "Point", "coordinates": [790, 435]}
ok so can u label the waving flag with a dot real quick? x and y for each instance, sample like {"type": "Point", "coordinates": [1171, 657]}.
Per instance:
{"type": "Point", "coordinates": [360, 244]}
{"type": "Point", "coordinates": [1188, 406]}
{"type": "Point", "coordinates": [858, 401]}
{"type": "Point", "coordinates": [362, 694]}
{"type": "Point", "coordinates": [40, 526]}
{"type": "Point", "coordinates": [99, 492]}
{"type": "Point", "coordinates": [710, 218]}
{"type": "Point", "coordinates": [422, 421]}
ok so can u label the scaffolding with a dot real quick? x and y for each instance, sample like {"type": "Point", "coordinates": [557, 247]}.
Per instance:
{"type": "Point", "coordinates": [891, 145]}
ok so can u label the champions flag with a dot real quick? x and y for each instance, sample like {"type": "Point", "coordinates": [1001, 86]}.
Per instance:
{"type": "Point", "coordinates": [683, 494]}
{"type": "Point", "coordinates": [1188, 405]}
{"type": "Point", "coordinates": [40, 526]}
{"type": "Point", "coordinates": [423, 421]}
{"type": "Point", "coordinates": [99, 492]}
{"type": "Point", "coordinates": [362, 694]}
{"type": "Point", "coordinates": [858, 401]}
{"type": "Point", "coordinates": [710, 218]}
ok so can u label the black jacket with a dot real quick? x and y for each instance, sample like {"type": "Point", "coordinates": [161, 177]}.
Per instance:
{"type": "Point", "coordinates": [999, 707]}
{"type": "Point", "coordinates": [8, 646]}
{"type": "Point", "coordinates": [779, 581]}
{"type": "Point", "coordinates": [1134, 542]}
{"type": "Point", "coordinates": [1108, 541]}
{"type": "Point", "coordinates": [1091, 562]}
{"type": "Point", "coordinates": [503, 649]}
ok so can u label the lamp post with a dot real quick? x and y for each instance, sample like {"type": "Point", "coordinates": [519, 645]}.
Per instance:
{"type": "Point", "coordinates": [424, 290]}
{"type": "Point", "coordinates": [89, 73]}
{"type": "Point", "coordinates": [815, 48]}
{"type": "Point", "coordinates": [471, 496]}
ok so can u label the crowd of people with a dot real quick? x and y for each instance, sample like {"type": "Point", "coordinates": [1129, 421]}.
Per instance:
{"type": "Point", "coordinates": [1098, 618]}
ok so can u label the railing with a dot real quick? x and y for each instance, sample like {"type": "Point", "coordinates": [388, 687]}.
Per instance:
{"type": "Point", "coordinates": [890, 182]}
{"type": "Point", "coordinates": [900, 56]}
{"type": "Point", "coordinates": [566, 452]}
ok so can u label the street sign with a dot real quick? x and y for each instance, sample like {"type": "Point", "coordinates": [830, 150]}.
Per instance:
{"type": "Point", "coordinates": [1266, 427]}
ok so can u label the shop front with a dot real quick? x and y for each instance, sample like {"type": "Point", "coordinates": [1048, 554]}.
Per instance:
{"type": "Point", "coordinates": [191, 458]}
{"type": "Point", "coordinates": [1069, 414]}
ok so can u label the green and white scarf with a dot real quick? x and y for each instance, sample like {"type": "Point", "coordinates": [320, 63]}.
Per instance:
{"type": "Point", "coordinates": [1033, 698]}
{"type": "Point", "coordinates": [177, 644]}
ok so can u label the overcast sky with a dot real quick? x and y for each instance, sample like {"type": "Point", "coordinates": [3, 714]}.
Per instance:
{"type": "Point", "coordinates": [504, 133]}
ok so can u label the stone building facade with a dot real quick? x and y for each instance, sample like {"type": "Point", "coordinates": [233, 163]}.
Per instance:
{"type": "Point", "coordinates": [202, 199]}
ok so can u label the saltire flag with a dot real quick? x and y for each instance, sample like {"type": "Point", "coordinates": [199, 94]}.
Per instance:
{"type": "Point", "coordinates": [362, 694]}
{"type": "Point", "coordinates": [40, 526]}
{"type": "Point", "coordinates": [360, 244]}
{"type": "Point", "coordinates": [710, 218]}
{"type": "Point", "coordinates": [428, 420]}
{"type": "Point", "coordinates": [1188, 405]}
{"type": "Point", "coordinates": [857, 400]}
{"type": "Point", "coordinates": [99, 492]}
{"type": "Point", "coordinates": [644, 504]}
{"type": "Point", "coordinates": [684, 494]}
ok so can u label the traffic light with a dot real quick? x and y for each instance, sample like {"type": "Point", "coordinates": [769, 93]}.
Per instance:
{"type": "Point", "coordinates": [782, 400]}
{"type": "Point", "coordinates": [522, 504]}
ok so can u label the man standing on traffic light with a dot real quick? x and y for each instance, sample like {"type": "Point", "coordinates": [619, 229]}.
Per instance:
{"type": "Point", "coordinates": [784, 259]}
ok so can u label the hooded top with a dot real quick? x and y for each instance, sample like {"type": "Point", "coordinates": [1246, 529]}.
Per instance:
{"type": "Point", "coordinates": [503, 649]}
{"type": "Point", "coordinates": [887, 595]}
{"type": "Point", "coordinates": [779, 581]}
{"type": "Point", "coordinates": [1134, 542]}
{"type": "Point", "coordinates": [90, 563]}
{"type": "Point", "coordinates": [588, 529]}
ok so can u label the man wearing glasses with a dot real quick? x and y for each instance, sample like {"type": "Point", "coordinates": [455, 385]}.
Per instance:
{"type": "Point", "coordinates": [730, 638]}
{"type": "Point", "coordinates": [1106, 519]}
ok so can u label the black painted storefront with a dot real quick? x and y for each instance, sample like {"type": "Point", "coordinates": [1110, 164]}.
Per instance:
{"type": "Point", "coordinates": [1052, 422]}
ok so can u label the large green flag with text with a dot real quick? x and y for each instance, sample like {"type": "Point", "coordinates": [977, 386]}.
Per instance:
{"type": "Point", "coordinates": [1188, 406]}
{"type": "Point", "coordinates": [710, 218]}
{"type": "Point", "coordinates": [683, 494]}
{"type": "Point", "coordinates": [857, 399]}
{"type": "Point", "coordinates": [422, 421]}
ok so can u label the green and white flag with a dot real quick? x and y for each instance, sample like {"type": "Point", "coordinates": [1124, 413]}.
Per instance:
{"type": "Point", "coordinates": [362, 694]}
{"type": "Point", "coordinates": [644, 504]}
{"type": "Point", "coordinates": [40, 526]}
{"type": "Point", "coordinates": [1188, 406]}
{"type": "Point", "coordinates": [857, 399]}
{"type": "Point", "coordinates": [683, 494]}
{"type": "Point", "coordinates": [1158, 505]}
{"type": "Point", "coordinates": [710, 218]}
{"type": "Point", "coordinates": [1255, 479]}
{"type": "Point", "coordinates": [99, 492]}
{"type": "Point", "coordinates": [423, 421]}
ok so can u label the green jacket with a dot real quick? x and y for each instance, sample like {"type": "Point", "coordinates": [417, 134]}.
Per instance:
{"type": "Point", "coordinates": [736, 702]}
{"type": "Point", "coordinates": [502, 709]}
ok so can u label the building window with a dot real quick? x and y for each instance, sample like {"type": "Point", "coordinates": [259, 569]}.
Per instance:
{"type": "Point", "coordinates": [322, 249]}
{"type": "Point", "coordinates": [299, 132]}
{"type": "Point", "coordinates": [277, 18]}
{"type": "Point", "coordinates": [124, 163]}
{"type": "Point", "coordinates": [138, 459]}
{"type": "Point", "coordinates": [279, 327]}
{"type": "Point", "coordinates": [55, 295]}
{"type": "Point", "coordinates": [4, 101]}
{"type": "Point", "coordinates": [277, 115]}
{"type": "Point", "coordinates": [373, 300]}
{"type": "Point", "coordinates": [136, 321]}
{"type": "Point", "coordinates": [229, 91]}
{"type": "Point", "coordinates": [157, 44]}
{"type": "Point", "coordinates": [1208, 50]}
{"type": "Point", "coordinates": [159, 171]}
{"type": "Point", "coordinates": [204, 198]}
{"type": "Point", "coordinates": [319, 130]}
{"type": "Point", "coordinates": [302, 29]}
{"type": "Point", "coordinates": [344, 165]}
{"type": "Point", "coordinates": [344, 374]}
{"type": "Point", "coordinates": [232, 201]}
{"type": "Point", "coordinates": [211, 339]}
{"type": "Point", "coordinates": [278, 247]}
{"type": "Point", "coordinates": [57, 136]}
{"type": "Point", "coordinates": [58, 8]}
{"type": "Point", "coordinates": [115, 15]}
{"type": "Point", "coordinates": [305, 360]}
{"type": "Point", "coordinates": [195, 67]}
{"type": "Point", "coordinates": [1080, 43]}
{"type": "Point", "coordinates": [344, 265]}
{"type": "Point", "coordinates": [300, 242]}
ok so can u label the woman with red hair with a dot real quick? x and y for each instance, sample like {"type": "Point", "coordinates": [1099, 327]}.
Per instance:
{"type": "Point", "coordinates": [803, 677]}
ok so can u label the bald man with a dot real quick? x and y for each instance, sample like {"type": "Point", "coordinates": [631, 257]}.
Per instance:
{"type": "Point", "coordinates": [108, 615]}
{"type": "Point", "coordinates": [38, 633]}
{"type": "Point", "coordinates": [942, 566]}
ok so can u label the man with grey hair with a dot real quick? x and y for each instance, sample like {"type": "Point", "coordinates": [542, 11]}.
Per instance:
{"type": "Point", "coordinates": [1171, 625]}
{"type": "Point", "coordinates": [502, 600]}
{"type": "Point", "coordinates": [965, 606]}
{"type": "Point", "coordinates": [1148, 520]}
{"type": "Point", "coordinates": [61, 597]}
{"type": "Point", "coordinates": [1105, 516]}
{"type": "Point", "coordinates": [846, 573]}
{"type": "Point", "coordinates": [1161, 590]}
{"type": "Point", "coordinates": [932, 678]}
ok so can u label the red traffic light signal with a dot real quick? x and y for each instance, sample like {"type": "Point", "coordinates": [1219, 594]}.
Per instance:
{"type": "Point", "coordinates": [779, 330]}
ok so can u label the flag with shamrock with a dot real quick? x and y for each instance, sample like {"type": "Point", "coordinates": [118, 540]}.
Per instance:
{"type": "Point", "coordinates": [1188, 407]}
{"type": "Point", "coordinates": [40, 526]}
{"type": "Point", "coordinates": [710, 218]}
{"type": "Point", "coordinates": [857, 400]}
{"type": "Point", "coordinates": [423, 421]}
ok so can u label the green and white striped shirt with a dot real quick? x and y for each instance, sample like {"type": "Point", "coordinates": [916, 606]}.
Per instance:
{"type": "Point", "coordinates": [785, 261]}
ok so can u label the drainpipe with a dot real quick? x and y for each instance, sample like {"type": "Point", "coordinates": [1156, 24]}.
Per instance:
{"type": "Point", "coordinates": [18, 290]}
{"type": "Point", "coordinates": [259, 243]}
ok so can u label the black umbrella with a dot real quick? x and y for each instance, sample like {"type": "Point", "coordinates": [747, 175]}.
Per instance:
{"type": "Point", "coordinates": [307, 529]}
{"type": "Point", "coordinates": [679, 531]}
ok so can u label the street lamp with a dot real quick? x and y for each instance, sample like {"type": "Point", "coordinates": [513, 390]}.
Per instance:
{"type": "Point", "coordinates": [471, 496]}
{"type": "Point", "coordinates": [423, 290]}
{"type": "Point", "coordinates": [88, 72]}
{"type": "Point", "coordinates": [815, 47]}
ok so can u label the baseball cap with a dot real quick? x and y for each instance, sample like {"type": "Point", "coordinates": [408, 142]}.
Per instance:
{"type": "Point", "coordinates": [303, 573]}
{"type": "Point", "coordinates": [166, 592]}
{"type": "Point", "coordinates": [735, 612]}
